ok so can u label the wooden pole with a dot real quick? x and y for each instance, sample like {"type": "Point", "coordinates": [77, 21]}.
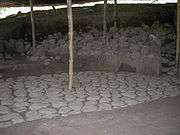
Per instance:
{"type": "Point", "coordinates": [32, 25]}
{"type": "Point", "coordinates": [104, 22]}
{"type": "Point", "coordinates": [115, 13]}
{"type": "Point", "coordinates": [53, 7]}
{"type": "Point", "coordinates": [178, 40]}
{"type": "Point", "coordinates": [70, 27]}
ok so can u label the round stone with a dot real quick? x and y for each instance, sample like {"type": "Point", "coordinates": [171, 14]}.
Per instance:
{"type": "Point", "coordinates": [89, 108]}
{"type": "Point", "coordinates": [75, 112]}
{"type": "Point", "coordinates": [76, 105]}
{"type": "Point", "coordinates": [7, 102]}
{"type": "Point", "coordinates": [105, 94]}
{"type": "Point", "coordinates": [70, 97]}
{"type": "Point", "coordinates": [90, 102]}
{"type": "Point", "coordinates": [104, 100]}
{"type": "Point", "coordinates": [33, 58]}
{"type": "Point", "coordinates": [57, 57]}
{"type": "Point", "coordinates": [17, 119]}
{"type": "Point", "coordinates": [19, 109]}
{"type": "Point", "coordinates": [58, 104]}
{"type": "Point", "coordinates": [49, 116]}
{"type": "Point", "coordinates": [32, 115]}
{"type": "Point", "coordinates": [37, 100]}
{"type": "Point", "coordinates": [21, 104]}
{"type": "Point", "coordinates": [142, 98]}
{"type": "Point", "coordinates": [105, 106]}
{"type": "Point", "coordinates": [93, 97]}
{"type": "Point", "coordinates": [4, 109]}
{"type": "Point", "coordinates": [64, 110]}
{"type": "Point", "coordinates": [8, 116]}
{"type": "Point", "coordinates": [20, 99]}
{"type": "Point", "coordinates": [20, 93]}
{"type": "Point", "coordinates": [5, 124]}
{"type": "Point", "coordinates": [37, 106]}
{"type": "Point", "coordinates": [118, 103]}
{"type": "Point", "coordinates": [46, 63]}
{"type": "Point", "coordinates": [131, 101]}
{"type": "Point", "coordinates": [47, 111]}
{"type": "Point", "coordinates": [129, 94]}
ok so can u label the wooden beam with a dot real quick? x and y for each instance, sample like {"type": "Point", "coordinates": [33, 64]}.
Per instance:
{"type": "Point", "coordinates": [70, 27]}
{"type": "Point", "coordinates": [115, 13]}
{"type": "Point", "coordinates": [178, 40]}
{"type": "Point", "coordinates": [104, 22]}
{"type": "Point", "coordinates": [32, 25]}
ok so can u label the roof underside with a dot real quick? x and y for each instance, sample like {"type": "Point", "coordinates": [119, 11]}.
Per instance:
{"type": "Point", "coordinates": [39, 2]}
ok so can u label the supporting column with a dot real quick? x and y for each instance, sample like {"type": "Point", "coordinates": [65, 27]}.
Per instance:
{"type": "Point", "coordinates": [70, 27]}
{"type": "Point", "coordinates": [115, 13]}
{"type": "Point", "coordinates": [104, 22]}
{"type": "Point", "coordinates": [178, 40]}
{"type": "Point", "coordinates": [32, 25]}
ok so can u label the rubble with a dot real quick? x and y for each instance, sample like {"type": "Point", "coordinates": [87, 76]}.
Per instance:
{"type": "Point", "coordinates": [127, 49]}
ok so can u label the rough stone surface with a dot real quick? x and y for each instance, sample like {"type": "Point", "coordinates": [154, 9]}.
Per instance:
{"type": "Point", "coordinates": [5, 124]}
{"type": "Point", "coordinates": [47, 111]}
{"type": "Point", "coordinates": [47, 96]}
{"type": "Point", "coordinates": [58, 104]}
{"type": "Point", "coordinates": [127, 49]}
{"type": "Point", "coordinates": [89, 108]}
{"type": "Point", "coordinates": [32, 115]}
{"type": "Point", "coordinates": [105, 106]}
{"type": "Point", "coordinates": [64, 110]}
{"type": "Point", "coordinates": [76, 105]}
{"type": "Point", "coordinates": [4, 109]}
{"type": "Point", "coordinates": [37, 106]}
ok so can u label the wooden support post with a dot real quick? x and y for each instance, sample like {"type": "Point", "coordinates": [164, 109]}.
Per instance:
{"type": "Point", "coordinates": [32, 25]}
{"type": "Point", "coordinates": [53, 7]}
{"type": "Point", "coordinates": [70, 26]}
{"type": "Point", "coordinates": [104, 22]}
{"type": "Point", "coordinates": [115, 13]}
{"type": "Point", "coordinates": [178, 40]}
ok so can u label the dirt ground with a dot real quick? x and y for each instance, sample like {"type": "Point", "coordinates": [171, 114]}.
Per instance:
{"type": "Point", "coordinates": [161, 117]}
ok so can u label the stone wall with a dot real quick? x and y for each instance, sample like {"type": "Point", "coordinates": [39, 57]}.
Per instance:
{"type": "Point", "coordinates": [144, 49]}
{"type": "Point", "coordinates": [131, 49]}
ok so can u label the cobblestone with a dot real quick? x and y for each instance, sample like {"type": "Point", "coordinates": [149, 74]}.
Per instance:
{"type": "Point", "coordinates": [32, 115]}
{"type": "Point", "coordinates": [89, 108]}
{"type": "Point", "coordinates": [5, 124]}
{"type": "Point", "coordinates": [105, 106]}
{"type": "Point", "coordinates": [37, 106]}
{"type": "Point", "coordinates": [47, 96]}
{"type": "Point", "coordinates": [64, 110]}
{"type": "Point", "coordinates": [4, 109]}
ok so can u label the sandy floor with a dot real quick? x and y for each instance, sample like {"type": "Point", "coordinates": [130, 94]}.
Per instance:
{"type": "Point", "coordinates": [161, 117]}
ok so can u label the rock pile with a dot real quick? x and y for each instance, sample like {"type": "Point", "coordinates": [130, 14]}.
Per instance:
{"type": "Point", "coordinates": [14, 47]}
{"type": "Point", "coordinates": [55, 47]}
{"type": "Point", "coordinates": [167, 35]}
{"type": "Point", "coordinates": [129, 49]}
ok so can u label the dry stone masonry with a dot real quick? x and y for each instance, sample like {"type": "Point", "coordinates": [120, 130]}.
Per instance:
{"type": "Point", "coordinates": [130, 49]}
{"type": "Point", "coordinates": [127, 49]}
{"type": "Point", "coordinates": [29, 98]}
